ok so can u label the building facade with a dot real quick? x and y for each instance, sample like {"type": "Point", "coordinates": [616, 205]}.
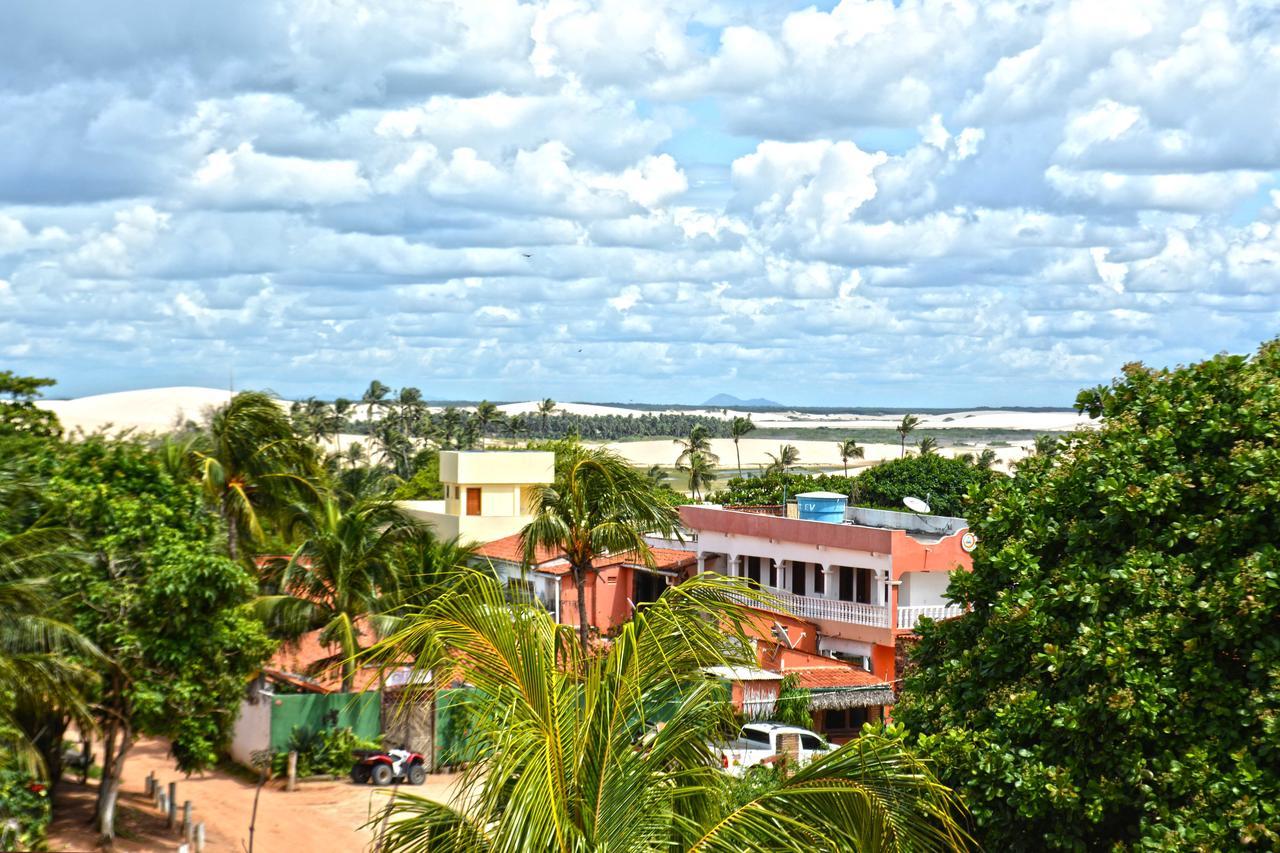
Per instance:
{"type": "Point", "coordinates": [863, 582]}
{"type": "Point", "coordinates": [486, 493]}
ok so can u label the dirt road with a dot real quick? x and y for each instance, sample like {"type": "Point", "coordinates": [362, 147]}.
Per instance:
{"type": "Point", "coordinates": [319, 816]}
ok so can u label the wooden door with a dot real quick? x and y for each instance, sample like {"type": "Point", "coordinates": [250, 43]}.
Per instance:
{"type": "Point", "coordinates": [473, 501]}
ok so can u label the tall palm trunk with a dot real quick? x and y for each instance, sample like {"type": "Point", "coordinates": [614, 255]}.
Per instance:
{"type": "Point", "coordinates": [737, 451]}
{"type": "Point", "coordinates": [580, 578]}
{"type": "Point", "coordinates": [233, 535]}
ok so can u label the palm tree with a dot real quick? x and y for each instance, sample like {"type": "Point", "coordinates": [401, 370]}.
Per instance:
{"type": "Point", "coordinates": [545, 408]}
{"type": "Point", "coordinates": [39, 672]}
{"type": "Point", "coordinates": [986, 459]}
{"type": "Point", "coordinates": [597, 505]}
{"type": "Point", "coordinates": [449, 424]}
{"type": "Point", "coordinates": [656, 475]}
{"type": "Point", "coordinates": [517, 424]}
{"type": "Point", "coordinates": [849, 449]}
{"type": "Point", "coordinates": [486, 413]}
{"type": "Point", "coordinates": [1046, 445]}
{"type": "Point", "coordinates": [928, 446]}
{"type": "Point", "coordinates": [739, 427]}
{"type": "Point", "coordinates": [699, 441]}
{"type": "Point", "coordinates": [251, 460]}
{"type": "Point", "coordinates": [347, 573]}
{"type": "Point", "coordinates": [409, 407]}
{"type": "Point", "coordinates": [374, 396]}
{"type": "Point", "coordinates": [341, 407]}
{"type": "Point", "coordinates": [701, 471]}
{"type": "Point", "coordinates": [788, 456]}
{"type": "Point", "coordinates": [908, 425]}
{"type": "Point", "coordinates": [613, 751]}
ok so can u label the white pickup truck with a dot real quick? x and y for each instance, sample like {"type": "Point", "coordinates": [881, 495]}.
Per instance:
{"type": "Point", "coordinates": [759, 741]}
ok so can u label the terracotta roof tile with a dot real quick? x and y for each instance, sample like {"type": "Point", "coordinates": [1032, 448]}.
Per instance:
{"type": "Point", "coordinates": [834, 676]}
{"type": "Point", "coordinates": [507, 549]}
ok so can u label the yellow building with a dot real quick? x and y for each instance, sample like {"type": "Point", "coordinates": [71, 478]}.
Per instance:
{"type": "Point", "coordinates": [486, 493]}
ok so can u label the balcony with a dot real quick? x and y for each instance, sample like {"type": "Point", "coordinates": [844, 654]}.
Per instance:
{"type": "Point", "coordinates": [853, 613]}
{"type": "Point", "coordinates": [909, 616]}
{"type": "Point", "coordinates": [816, 607]}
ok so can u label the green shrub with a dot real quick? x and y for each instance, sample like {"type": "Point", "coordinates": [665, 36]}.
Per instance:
{"type": "Point", "coordinates": [321, 752]}
{"type": "Point", "coordinates": [24, 810]}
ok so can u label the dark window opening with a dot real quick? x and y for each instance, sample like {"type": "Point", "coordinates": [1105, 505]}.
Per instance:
{"type": "Point", "coordinates": [753, 569]}
{"type": "Point", "coordinates": [846, 583]}
{"type": "Point", "coordinates": [647, 587]}
{"type": "Point", "coordinates": [845, 719]}
{"type": "Point", "coordinates": [797, 577]}
{"type": "Point", "coordinates": [864, 586]}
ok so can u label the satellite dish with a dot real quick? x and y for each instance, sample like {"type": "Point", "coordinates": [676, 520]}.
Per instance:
{"type": "Point", "coordinates": [916, 505]}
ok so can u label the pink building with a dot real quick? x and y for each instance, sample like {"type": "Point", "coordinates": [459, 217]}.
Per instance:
{"type": "Point", "coordinates": [862, 581]}
{"type": "Point", "coordinates": [618, 584]}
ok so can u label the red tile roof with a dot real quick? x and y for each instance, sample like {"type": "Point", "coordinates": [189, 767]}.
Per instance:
{"type": "Point", "coordinates": [507, 549]}
{"type": "Point", "coordinates": [834, 676]}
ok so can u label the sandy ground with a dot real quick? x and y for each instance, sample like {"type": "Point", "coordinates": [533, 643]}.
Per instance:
{"type": "Point", "coordinates": [318, 816]}
{"type": "Point", "coordinates": [817, 454]}
{"type": "Point", "coordinates": [157, 409]}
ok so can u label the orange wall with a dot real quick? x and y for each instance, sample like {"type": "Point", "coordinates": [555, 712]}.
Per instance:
{"type": "Point", "coordinates": [608, 592]}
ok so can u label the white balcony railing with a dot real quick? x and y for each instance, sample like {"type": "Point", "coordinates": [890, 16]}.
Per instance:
{"type": "Point", "coordinates": [909, 616]}
{"type": "Point", "coordinates": [816, 607]}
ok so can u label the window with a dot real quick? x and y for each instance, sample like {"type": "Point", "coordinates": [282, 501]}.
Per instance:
{"type": "Point", "coordinates": [520, 590]}
{"type": "Point", "coordinates": [753, 569]}
{"type": "Point", "coordinates": [756, 736]}
{"type": "Point", "coordinates": [797, 577]}
{"type": "Point", "coordinates": [811, 742]}
{"type": "Point", "coordinates": [845, 719]}
{"type": "Point", "coordinates": [648, 586]}
{"type": "Point", "coordinates": [819, 580]}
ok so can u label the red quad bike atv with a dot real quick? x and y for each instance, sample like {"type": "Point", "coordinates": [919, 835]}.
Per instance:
{"type": "Point", "coordinates": [382, 768]}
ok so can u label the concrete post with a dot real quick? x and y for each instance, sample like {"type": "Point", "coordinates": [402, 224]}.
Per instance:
{"type": "Point", "coordinates": [162, 803]}
{"type": "Point", "coordinates": [186, 820]}
{"type": "Point", "coordinates": [702, 563]}
{"type": "Point", "coordinates": [293, 771]}
{"type": "Point", "coordinates": [830, 582]}
{"type": "Point", "coordinates": [150, 786]}
{"type": "Point", "coordinates": [199, 834]}
{"type": "Point", "coordinates": [733, 566]}
{"type": "Point", "coordinates": [173, 804]}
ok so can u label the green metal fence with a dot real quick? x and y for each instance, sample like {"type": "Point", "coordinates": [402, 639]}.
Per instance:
{"type": "Point", "coordinates": [362, 712]}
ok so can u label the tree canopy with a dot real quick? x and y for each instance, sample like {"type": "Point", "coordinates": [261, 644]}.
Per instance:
{"type": "Point", "coordinates": [945, 483]}
{"type": "Point", "coordinates": [1116, 684]}
{"type": "Point", "coordinates": [578, 750]}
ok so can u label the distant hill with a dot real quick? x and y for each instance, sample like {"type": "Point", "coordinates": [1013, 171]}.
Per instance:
{"type": "Point", "coordinates": [726, 401]}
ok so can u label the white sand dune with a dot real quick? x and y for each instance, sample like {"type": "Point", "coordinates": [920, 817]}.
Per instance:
{"type": "Point", "coordinates": [1058, 421]}
{"type": "Point", "coordinates": [147, 410]}
{"type": "Point", "coordinates": [813, 454]}
{"type": "Point", "coordinates": [585, 409]}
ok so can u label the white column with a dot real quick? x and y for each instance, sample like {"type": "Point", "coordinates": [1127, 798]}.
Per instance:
{"type": "Point", "coordinates": [732, 570]}
{"type": "Point", "coordinates": [702, 562]}
{"type": "Point", "coordinates": [830, 581]}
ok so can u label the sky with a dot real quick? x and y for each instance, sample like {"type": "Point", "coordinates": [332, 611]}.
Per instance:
{"type": "Point", "coordinates": [863, 203]}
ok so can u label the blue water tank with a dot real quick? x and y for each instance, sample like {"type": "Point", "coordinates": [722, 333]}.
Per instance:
{"type": "Point", "coordinates": [822, 506]}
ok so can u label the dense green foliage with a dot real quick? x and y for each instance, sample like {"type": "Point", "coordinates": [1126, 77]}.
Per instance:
{"type": "Point", "coordinates": [157, 597]}
{"type": "Point", "coordinates": [944, 483]}
{"type": "Point", "coordinates": [19, 414]}
{"type": "Point", "coordinates": [24, 809]}
{"type": "Point", "coordinates": [569, 755]}
{"type": "Point", "coordinates": [321, 752]}
{"type": "Point", "coordinates": [1117, 683]}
